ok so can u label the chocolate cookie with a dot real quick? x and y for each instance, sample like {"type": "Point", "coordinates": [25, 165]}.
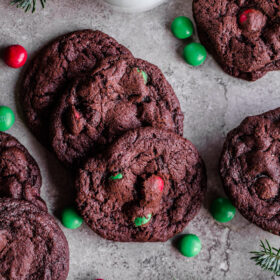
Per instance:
{"type": "Point", "coordinates": [121, 94]}
{"type": "Point", "coordinates": [20, 175]}
{"type": "Point", "coordinates": [250, 169]}
{"type": "Point", "coordinates": [243, 36]}
{"type": "Point", "coordinates": [32, 246]}
{"type": "Point", "coordinates": [149, 185]}
{"type": "Point", "coordinates": [54, 66]}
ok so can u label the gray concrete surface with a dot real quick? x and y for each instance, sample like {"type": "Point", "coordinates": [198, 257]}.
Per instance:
{"type": "Point", "coordinates": [213, 103]}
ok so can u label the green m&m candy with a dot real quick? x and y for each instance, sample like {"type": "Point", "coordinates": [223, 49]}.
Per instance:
{"type": "Point", "coordinates": [70, 218]}
{"type": "Point", "coordinates": [7, 118]}
{"type": "Point", "coordinates": [189, 245]}
{"type": "Point", "coordinates": [194, 54]}
{"type": "Point", "coordinates": [182, 27]}
{"type": "Point", "coordinates": [144, 75]}
{"type": "Point", "coordinates": [140, 221]}
{"type": "Point", "coordinates": [222, 210]}
{"type": "Point", "coordinates": [116, 177]}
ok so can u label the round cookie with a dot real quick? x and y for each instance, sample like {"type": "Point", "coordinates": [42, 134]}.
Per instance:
{"type": "Point", "coordinates": [32, 246]}
{"type": "Point", "coordinates": [250, 169]}
{"type": "Point", "coordinates": [20, 175]}
{"type": "Point", "coordinates": [54, 66]}
{"type": "Point", "coordinates": [121, 94]}
{"type": "Point", "coordinates": [243, 36]}
{"type": "Point", "coordinates": [148, 187]}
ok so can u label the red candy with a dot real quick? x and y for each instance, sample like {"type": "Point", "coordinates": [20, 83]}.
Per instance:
{"type": "Point", "coordinates": [77, 116]}
{"type": "Point", "coordinates": [159, 182]}
{"type": "Point", "coordinates": [15, 56]}
{"type": "Point", "coordinates": [244, 16]}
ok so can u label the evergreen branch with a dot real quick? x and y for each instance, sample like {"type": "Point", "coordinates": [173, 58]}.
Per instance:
{"type": "Point", "coordinates": [28, 5]}
{"type": "Point", "coordinates": [268, 258]}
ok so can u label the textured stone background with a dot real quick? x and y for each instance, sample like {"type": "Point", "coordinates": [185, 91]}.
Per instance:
{"type": "Point", "coordinates": [213, 103]}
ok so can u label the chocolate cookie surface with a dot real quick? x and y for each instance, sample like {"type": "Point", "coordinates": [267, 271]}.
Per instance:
{"type": "Point", "coordinates": [121, 94]}
{"type": "Point", "coordinates": [148, 187]}
{"type": "Point", "coordinates": [243, 36]}
{"type": "Point", "coordinates": [32, 246]}
{"type": "Point", "coordinates": [250, 169]}
{"type": "Point", "coordinates": [20, 175]}
{"type": "Point", "coordinates": [65, 58]}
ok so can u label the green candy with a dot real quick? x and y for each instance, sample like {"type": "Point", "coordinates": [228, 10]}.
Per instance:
{"type": "Point", "coordinates": [70, 218]}
{"type": "Point", "coordinates": [194, 54]}
{"type": "Point", "coordinates": [144, 75]}
{"type": "Point", "coordinates": [189, 245]}
{"type": "Point", "coordinates": [140, 221]}
{"type": "Point", "coordinates": [222, 210]}
{"type": "Point", "coordinates": [182, 27]}
{"type": "Point", "coordinates": [7, 118]}
{"type": "Point", "coordinates": [116, 177]}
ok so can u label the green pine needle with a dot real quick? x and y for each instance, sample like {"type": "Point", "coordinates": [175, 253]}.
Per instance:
{"type": "Point", "coordinates": [268, 258]}
{"type": "Point", "coordinates": [27, 5]}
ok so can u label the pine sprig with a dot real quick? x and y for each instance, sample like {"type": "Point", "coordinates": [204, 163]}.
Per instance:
{"type": "Point", "coordinates": [268, 258]}
{"type": "Point", "coordinates": [27, 5]}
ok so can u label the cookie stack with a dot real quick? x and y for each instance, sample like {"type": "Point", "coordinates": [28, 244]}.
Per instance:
{"type": "Point", "coordinates": [117, 122]}
{"type": "Point", "coordinates": [32, 246]}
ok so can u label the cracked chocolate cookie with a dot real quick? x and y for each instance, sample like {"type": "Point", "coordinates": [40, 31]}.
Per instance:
{"type": "Point", "coordinates": [148, 187]}
{"type": "Point", "coordinates": [243, 36]}
{"type": "Point", "coordinates": [32, 246]}
{"type": "Point", "coordinates": [250, 169]}
{"type": "Point", "coordinates": [122, 94]}
{"type": "Point", "coordinates": [20, 175]}
{"type": "Point", "coordinates": [54, 66]}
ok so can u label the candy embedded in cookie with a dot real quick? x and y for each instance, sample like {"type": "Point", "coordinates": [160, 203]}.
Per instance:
{"type": "Point", "coordinates": [148, 186]}
{"type": "Point", "coordinates": [250, 169]}
{"type": "Point", "coordinates": [120, 95]}
{"type": "Point", "coordinates": [118, 176]}
{"type": "Point", "coordinates": [141, 221]}
{"type": "Point", "coordinates": [144, 75]}
{"type": "Point", "coordinates": [151, 195]}
{"type": "Point", "coordinates": [252, 20]}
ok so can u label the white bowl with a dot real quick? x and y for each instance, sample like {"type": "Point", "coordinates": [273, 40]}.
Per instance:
{"type": "Point", "coordinates": [134, 5]}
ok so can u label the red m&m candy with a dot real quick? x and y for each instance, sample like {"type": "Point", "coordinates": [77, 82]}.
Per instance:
{"type": "Point", "coordinates": [244, 15]}
{"type": "Point", "coordinates": [159, 182]}
{"type": "Point", "coordinates": [155, 182]}
{"type": "Point", "coordinates": [252, 20]}
{"type": "Point", "coordinates": [77, 114]}
{"type": "Point", "coordinates": [15, 56]}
